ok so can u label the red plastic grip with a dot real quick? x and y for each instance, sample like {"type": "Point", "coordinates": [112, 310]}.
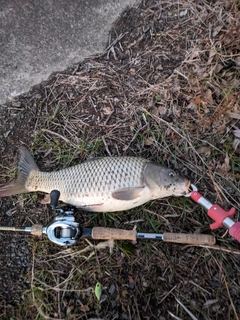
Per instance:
{"type": "Point", "coordinates": [195, 195]}
{"type": "Point", "coordinates": [234, 231]}
{"type": "Point", "coordinates": [215, 212]}
{"type": "Point", "coordinates": [218, 214]}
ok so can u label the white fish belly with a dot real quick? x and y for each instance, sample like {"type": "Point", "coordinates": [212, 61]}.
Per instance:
{"type": "Point", "coordinates": [110, 204]}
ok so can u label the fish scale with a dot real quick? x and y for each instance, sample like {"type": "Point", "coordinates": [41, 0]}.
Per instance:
{"type": "Point", "coordinates": [96, 178]}
{"type": "Point", "coordinates": [102, 184]}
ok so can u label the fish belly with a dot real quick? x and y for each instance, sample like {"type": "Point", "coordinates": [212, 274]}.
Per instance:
{"type": "Point", "coordinates": [110, 204]}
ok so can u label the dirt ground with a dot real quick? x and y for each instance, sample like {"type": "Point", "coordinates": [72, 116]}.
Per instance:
{"type": "Point", "coordinates": [167, 89]}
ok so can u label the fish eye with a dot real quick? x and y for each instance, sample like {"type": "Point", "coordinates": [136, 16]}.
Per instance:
{"type": "Point", "coordinates": [171, 173]}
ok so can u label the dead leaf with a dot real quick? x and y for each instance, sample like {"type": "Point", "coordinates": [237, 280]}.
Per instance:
{"type": "Point", "coordinates": [236, 133]}
{"type": "Point", "coordinates": [183, 13]}
{"type": "Point", "coordinates": [148, 141]}
{"type": "Point", "coordinates": [124, 293]}
{"type": "Point", "coordinates": [237, 60]}
{"type": "Point", "coordinates": [208, 95]}
{"type": "Point", "coordinates": [226, 166]}
{"type": "Point", "coordinates": [162, 110]}
{"type": "Point", "coordinates": [176, 26]}
{"type": "Point", "coordinates": [195, 53]}
{"type": "Point", "coordinates": [218, 68]}
{"type": "Point", "coordinates": [204, 150]}
{"type": "Point", "coordinates": [212, 53]}
{"type": "Point", "coordinates": [216, 31]}
{"type": "Point", "coordinates": [220, 129]}
{"type": "Point", "coordinates": [236, 141]}
{"type": "Point", "coordinates": [107, 110]}
{"type": "Point", "coordinates": [84, 308]}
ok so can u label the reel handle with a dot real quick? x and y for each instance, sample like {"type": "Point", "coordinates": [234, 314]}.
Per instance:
{"type": "Point", "coordinates": [54, 197]}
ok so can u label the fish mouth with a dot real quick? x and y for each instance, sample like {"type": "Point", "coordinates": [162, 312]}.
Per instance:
{"type": "Point", "coordinates": [187, 186]}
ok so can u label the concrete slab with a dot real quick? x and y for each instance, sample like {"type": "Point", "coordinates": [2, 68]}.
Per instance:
{"type": "Point", "coordinates": [41, 37]}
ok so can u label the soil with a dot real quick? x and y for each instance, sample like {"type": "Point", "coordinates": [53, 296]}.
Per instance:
{"type": "Point", "coordinates": [167, 89]}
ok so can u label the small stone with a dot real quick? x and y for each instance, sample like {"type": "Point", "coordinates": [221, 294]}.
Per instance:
{"type": "Point", "coordinates": [9, 213]}
{"type": "Point", "coordinates": [112, 289]}
{"type": "Point", "coordinates": [131, 285]}
{"type": "Point", "coordinates": [7, 133]}
{"type": "Point", "coordinates": [16, 104]}
{"type": "Point", "coordinates": [159, 67]}
{"type": "Point", "coordinates": [113, 303]}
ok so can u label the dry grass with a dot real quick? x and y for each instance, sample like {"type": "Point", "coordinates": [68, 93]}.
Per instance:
{"type": "Point", "coordinates": [166, 88]}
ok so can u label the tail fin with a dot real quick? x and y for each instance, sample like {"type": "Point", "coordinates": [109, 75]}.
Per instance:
{"type": "Point", "coordinates": [25, 166]}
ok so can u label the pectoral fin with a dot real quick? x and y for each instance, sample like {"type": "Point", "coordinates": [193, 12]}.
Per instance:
{"type": "Point", "coordinates": [128, 193]}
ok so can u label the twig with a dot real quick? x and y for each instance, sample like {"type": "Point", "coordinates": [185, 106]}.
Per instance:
{"type": "Point", "coordinates": [197, 285]}
{"type": "Point", "coordinates": [223, 249]}
{"type": "Point", "coordinates": [106, 147]}
{"type": "Point", "coordinates": [173, 315]}
{"type": "Point", "coordinates": [215, 186]}
{"type": "Point", "coordinates": [56, 134]}
{"type": "Point", "coordinates": [166, 295]}
{"type": "Point", "coordinates": [116, 41]}
{"type": "Point", "coordinates": [135, 136]}
{"type": "Point", "coordinates": [186, 309]}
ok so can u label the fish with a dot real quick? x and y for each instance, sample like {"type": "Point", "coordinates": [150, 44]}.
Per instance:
{"type": "Point", "coordinates": [104, 184]}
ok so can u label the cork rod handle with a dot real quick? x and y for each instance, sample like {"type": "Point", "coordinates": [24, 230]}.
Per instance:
{"type": "Point", "coordinates": [101, 233]}
{"type": "Point", "coordinates": [189, 238]}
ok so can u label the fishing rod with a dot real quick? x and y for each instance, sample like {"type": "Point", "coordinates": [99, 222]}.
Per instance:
{"type": "Point", "coordinates": [65, 231]}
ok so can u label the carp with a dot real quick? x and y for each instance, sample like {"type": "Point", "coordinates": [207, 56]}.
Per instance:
{"type": "Point", "coordinates": [101, 184]}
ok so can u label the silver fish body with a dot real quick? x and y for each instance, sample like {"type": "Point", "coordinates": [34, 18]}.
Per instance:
{"type": "Point", "coordinates": [102, 184]}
